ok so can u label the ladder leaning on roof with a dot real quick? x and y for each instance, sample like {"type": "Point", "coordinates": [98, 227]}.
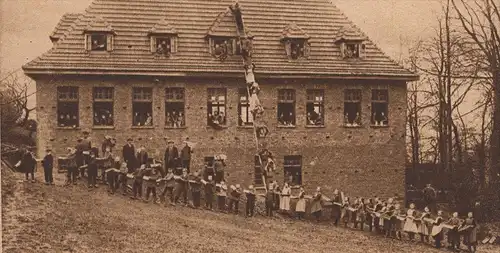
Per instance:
{"type": "Point", "coordinates": [243, 37]}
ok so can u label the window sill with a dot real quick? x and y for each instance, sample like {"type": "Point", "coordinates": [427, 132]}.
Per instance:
{"type": "Point", "coordinates": [295, 186]}
{"type": "Point", "coordinates": [173, 128]}
{"type": "Point", "coordinates": [68, 128]}
{"type": "Point", "coordinates": [315, 126]}
{"type": "Point", "coordinates": [375, 126]}
{"type": "Point", "coordinates": [221, 127]}
{"type": "Point", "coordinates": [291, 127]}
{"type": "Point", "coordinates": [142, 127]}
{"type": "Point", "coordinates": [245, 127]}
{"type": "Point", "coordinates": [347, 126]}
{"type": "Point", "coordinates": [103, 127]}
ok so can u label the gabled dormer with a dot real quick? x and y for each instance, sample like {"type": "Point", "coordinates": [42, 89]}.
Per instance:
{"type": "Point", "coordinates": [296, 42]}
{"type": "Point", "coordinates": [351, 42]}
{"type": "Point", "coordinates": [99, 35]}
{"type": "Point", "coordinates": [223, 37]}
{"type": "Point", "coordinates": [163, 38]}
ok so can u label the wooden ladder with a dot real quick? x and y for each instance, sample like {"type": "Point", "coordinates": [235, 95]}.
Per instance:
{"type": "Point", "coordinates": [241, 32]}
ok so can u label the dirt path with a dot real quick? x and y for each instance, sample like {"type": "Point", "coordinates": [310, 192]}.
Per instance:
{"type": "Point", "coordinates": [39, 218]}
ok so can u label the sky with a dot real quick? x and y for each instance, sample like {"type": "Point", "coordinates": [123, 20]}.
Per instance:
{"type": "Point", "coordinates": [25, 25]}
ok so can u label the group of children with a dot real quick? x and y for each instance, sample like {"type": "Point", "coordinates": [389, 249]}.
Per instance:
{"type": "Point", "coordinates": [384, 217]}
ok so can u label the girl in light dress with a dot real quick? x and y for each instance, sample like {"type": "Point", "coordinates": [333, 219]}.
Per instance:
{"type": "Point", "coordinates": [410, 226]}
{"type": "Point", "coordinates": [423, 227]}
{"type": "Point", "coordinates": [300, 208]}
{"type": "Point", "coordinates": [285, 198]}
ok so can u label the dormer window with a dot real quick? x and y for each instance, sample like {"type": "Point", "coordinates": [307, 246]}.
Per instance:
{"type": "Point", "coordinates": [99, 36]}
{"type": "Point", "coordinates": [297, 48]}
{"type": "Point", "coordinates": [351, 42]}
{"type": "Point", "coordinates": [352, 50]}
{"type": "Point", "coordinates": [99, 42]}
{"type": "Point", "coordinates": [296, 42]}
{"type": "Point", "coordinates": [163, 39]}
{"type": "Point", "coordinates": [222, 47]}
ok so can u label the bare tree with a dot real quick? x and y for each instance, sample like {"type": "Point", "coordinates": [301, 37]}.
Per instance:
{"type": "Point", "coordinates": [16, 87]}
{"type": "Point", "coordinates": [481, 21]}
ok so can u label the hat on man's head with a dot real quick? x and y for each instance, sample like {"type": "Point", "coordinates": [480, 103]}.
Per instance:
{"type": "Point", "coordinates": [85, 132]}
{"type": "Point", "coordinates": [129, 139]}
{"type": "Point", "coordinates": [107, 137]}
{"type": "Point", "coordinates": [79, 139]}
{"type": "Point", "coordinates": [170, 141]}
{"type": "Point", "coordinates": [48, 150]}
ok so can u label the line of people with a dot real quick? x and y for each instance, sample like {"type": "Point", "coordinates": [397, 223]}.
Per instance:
{"type": "Point", "coordinates": [137, 175]}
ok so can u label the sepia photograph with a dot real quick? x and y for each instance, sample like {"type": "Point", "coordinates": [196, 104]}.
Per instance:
{"type": "Point", "coordinates": [235, 126]}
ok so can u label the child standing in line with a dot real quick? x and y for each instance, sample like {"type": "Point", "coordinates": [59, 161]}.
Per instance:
{"type": "Point", "coordinates": [437, 232]}
{"type": "Point", "coordinates": [300, 207]}
{"type": "Point", "coordinates": [270, 201]}
{"type": "Point", "coordinates": [209, 192]}
{"type": "Point", "coordinates": [48, 165]}
{"type": "Point", "coordinates": [453, 235]}
{"type": "Point", "coordinates": [221, 196]}
{"type": "Point", "coordinates": [410, 226]}
{"type": "Point", "coordinates": [196, 189]}
{"type": "Point", "coordinates": [137, 185]}
{"type": "Point", "coordinates": [469, 227]}
{"type": "Point", "coordinates": [150, 177]}
{"type": "Point", "coordinates": [169, 187]}
{"type": "Point", "coordinates": [250, 205]}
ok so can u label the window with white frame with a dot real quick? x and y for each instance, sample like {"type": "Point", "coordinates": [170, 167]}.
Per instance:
{"type": "Point", "coordinates": [297, 48]}
{"type": "Point", "coordinates": [103, 106]}
{"type": "Point", "coordinates": [142, 106]}
{"type": "Point", "coordinates": [352, 107]}
{"type": "Point", "coordinates": [174, 108]}
{"type": "Point", "coordinates": [286, 107]}
{"type": "Point", "coordinates": [245, 116]}
{"type": "Point", "coordinates": [164, 45]}
{"type": "Point", "coordinates": [67, 107]}
{"type": "Point", "coordinates": [216, 107]}
{"type": "Point", "coordinates": [315, 108]}
{"type": "Point", "coordinates": [96, 41]}
{"type": "Point", "coordinates": [380, 106]}
{"type": "Point", "coordinates": [352, 50]}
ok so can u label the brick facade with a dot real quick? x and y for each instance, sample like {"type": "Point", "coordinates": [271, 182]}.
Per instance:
{"type": "Point", "coordinates": [363, 161]}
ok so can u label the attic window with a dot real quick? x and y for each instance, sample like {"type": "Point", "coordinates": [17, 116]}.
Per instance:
{"type": "Point", "coordinates": [297, 48]}
{"type": "Point", "coordinates": [164, 45]}
{"type": "Point", "coordinates": [352, 50]}
{"type": "Point", "coordinates": [99, 42]}
{"type": "Point", "coordinates": [222, 47]}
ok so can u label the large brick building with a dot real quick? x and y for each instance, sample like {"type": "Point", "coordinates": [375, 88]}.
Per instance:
{"type": "Point", "coordinates": [335, 105]}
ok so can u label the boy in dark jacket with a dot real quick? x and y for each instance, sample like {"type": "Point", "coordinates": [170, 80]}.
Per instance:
{"type": "Point", "coordinates": [150, 177]}
{"type": "Point", "coordinates": [137, 185]}
{"type": "Point", "coordinates": [48, 165]}
{"type": "Point", "coordinates": [250, 205]}
{"type": "Point", "coordinates": [270, 201]}
{"type": "Point", "coordinates": [209, 192]}
{"type": "Point", "coordinates": [92, 171]}
{"type": "Point", "coordinates": [195, 184]}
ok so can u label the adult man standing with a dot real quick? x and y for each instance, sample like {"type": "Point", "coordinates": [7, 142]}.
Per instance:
{"type": "Point", "coordinates": [171, 156]}
{"type": "Point", "coordinates": [430, 197]}
{"type": "Point", "coordinates": [186, 155]}
{"type": "Point", "coordinates": [129, 156]}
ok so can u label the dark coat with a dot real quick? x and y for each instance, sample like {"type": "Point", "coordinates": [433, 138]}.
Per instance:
{"type": "Point", "coordinates": [129, 156]}
{"type": "Point", "coordinates": [48, 162]}
{"type": "Point", "coordinates": [170, 157]}
{"type": "Point", "coordinates": [142, 158]}
{"type": "Point", "coordinates": [186, 153]}
{"type": "Point", "coordinates": [28, 162]}
{"type": "Point", "coordinates": [107, 143]}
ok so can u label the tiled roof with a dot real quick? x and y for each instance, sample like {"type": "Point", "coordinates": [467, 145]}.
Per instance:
{"type": "Point", "coordinates": [163, 27]}
{"type": "Point", "coordinates": [99, 24]}
{"type": "Point", "coordinates": [350, 33]}
{"type": "Point", "coordinates": [132, 20]}
{"type": "Point", "coordinates": [66, 21]}
{"type": "Point", "coordinates": [294, 31]}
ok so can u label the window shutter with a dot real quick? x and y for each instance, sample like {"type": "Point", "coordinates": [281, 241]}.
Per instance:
{"type": "Point", "coordinates": [362, 49]}
{"type": "Point", "coordinates": [307, 49]}
{"type": "Point", "coordinates": [342, 50]}
{"type": "Point", "coordinates": [109, 42]}
{"type": "Point", "coordinates": [173, 44]}
{"type": "Point", "coordinates": [288, 48]}
{"type": "Point", "coordinates": [232, 47]}
{"type": "Point", "coordinates": [211, 46]}
{"type": "Point", "coordinates": [152, 41]}
{"type": "Point", "coordinates": [88, 42]}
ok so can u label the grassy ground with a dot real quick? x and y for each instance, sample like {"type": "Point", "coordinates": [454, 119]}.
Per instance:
{"type": "Point", "coordinates": [39, 218]}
